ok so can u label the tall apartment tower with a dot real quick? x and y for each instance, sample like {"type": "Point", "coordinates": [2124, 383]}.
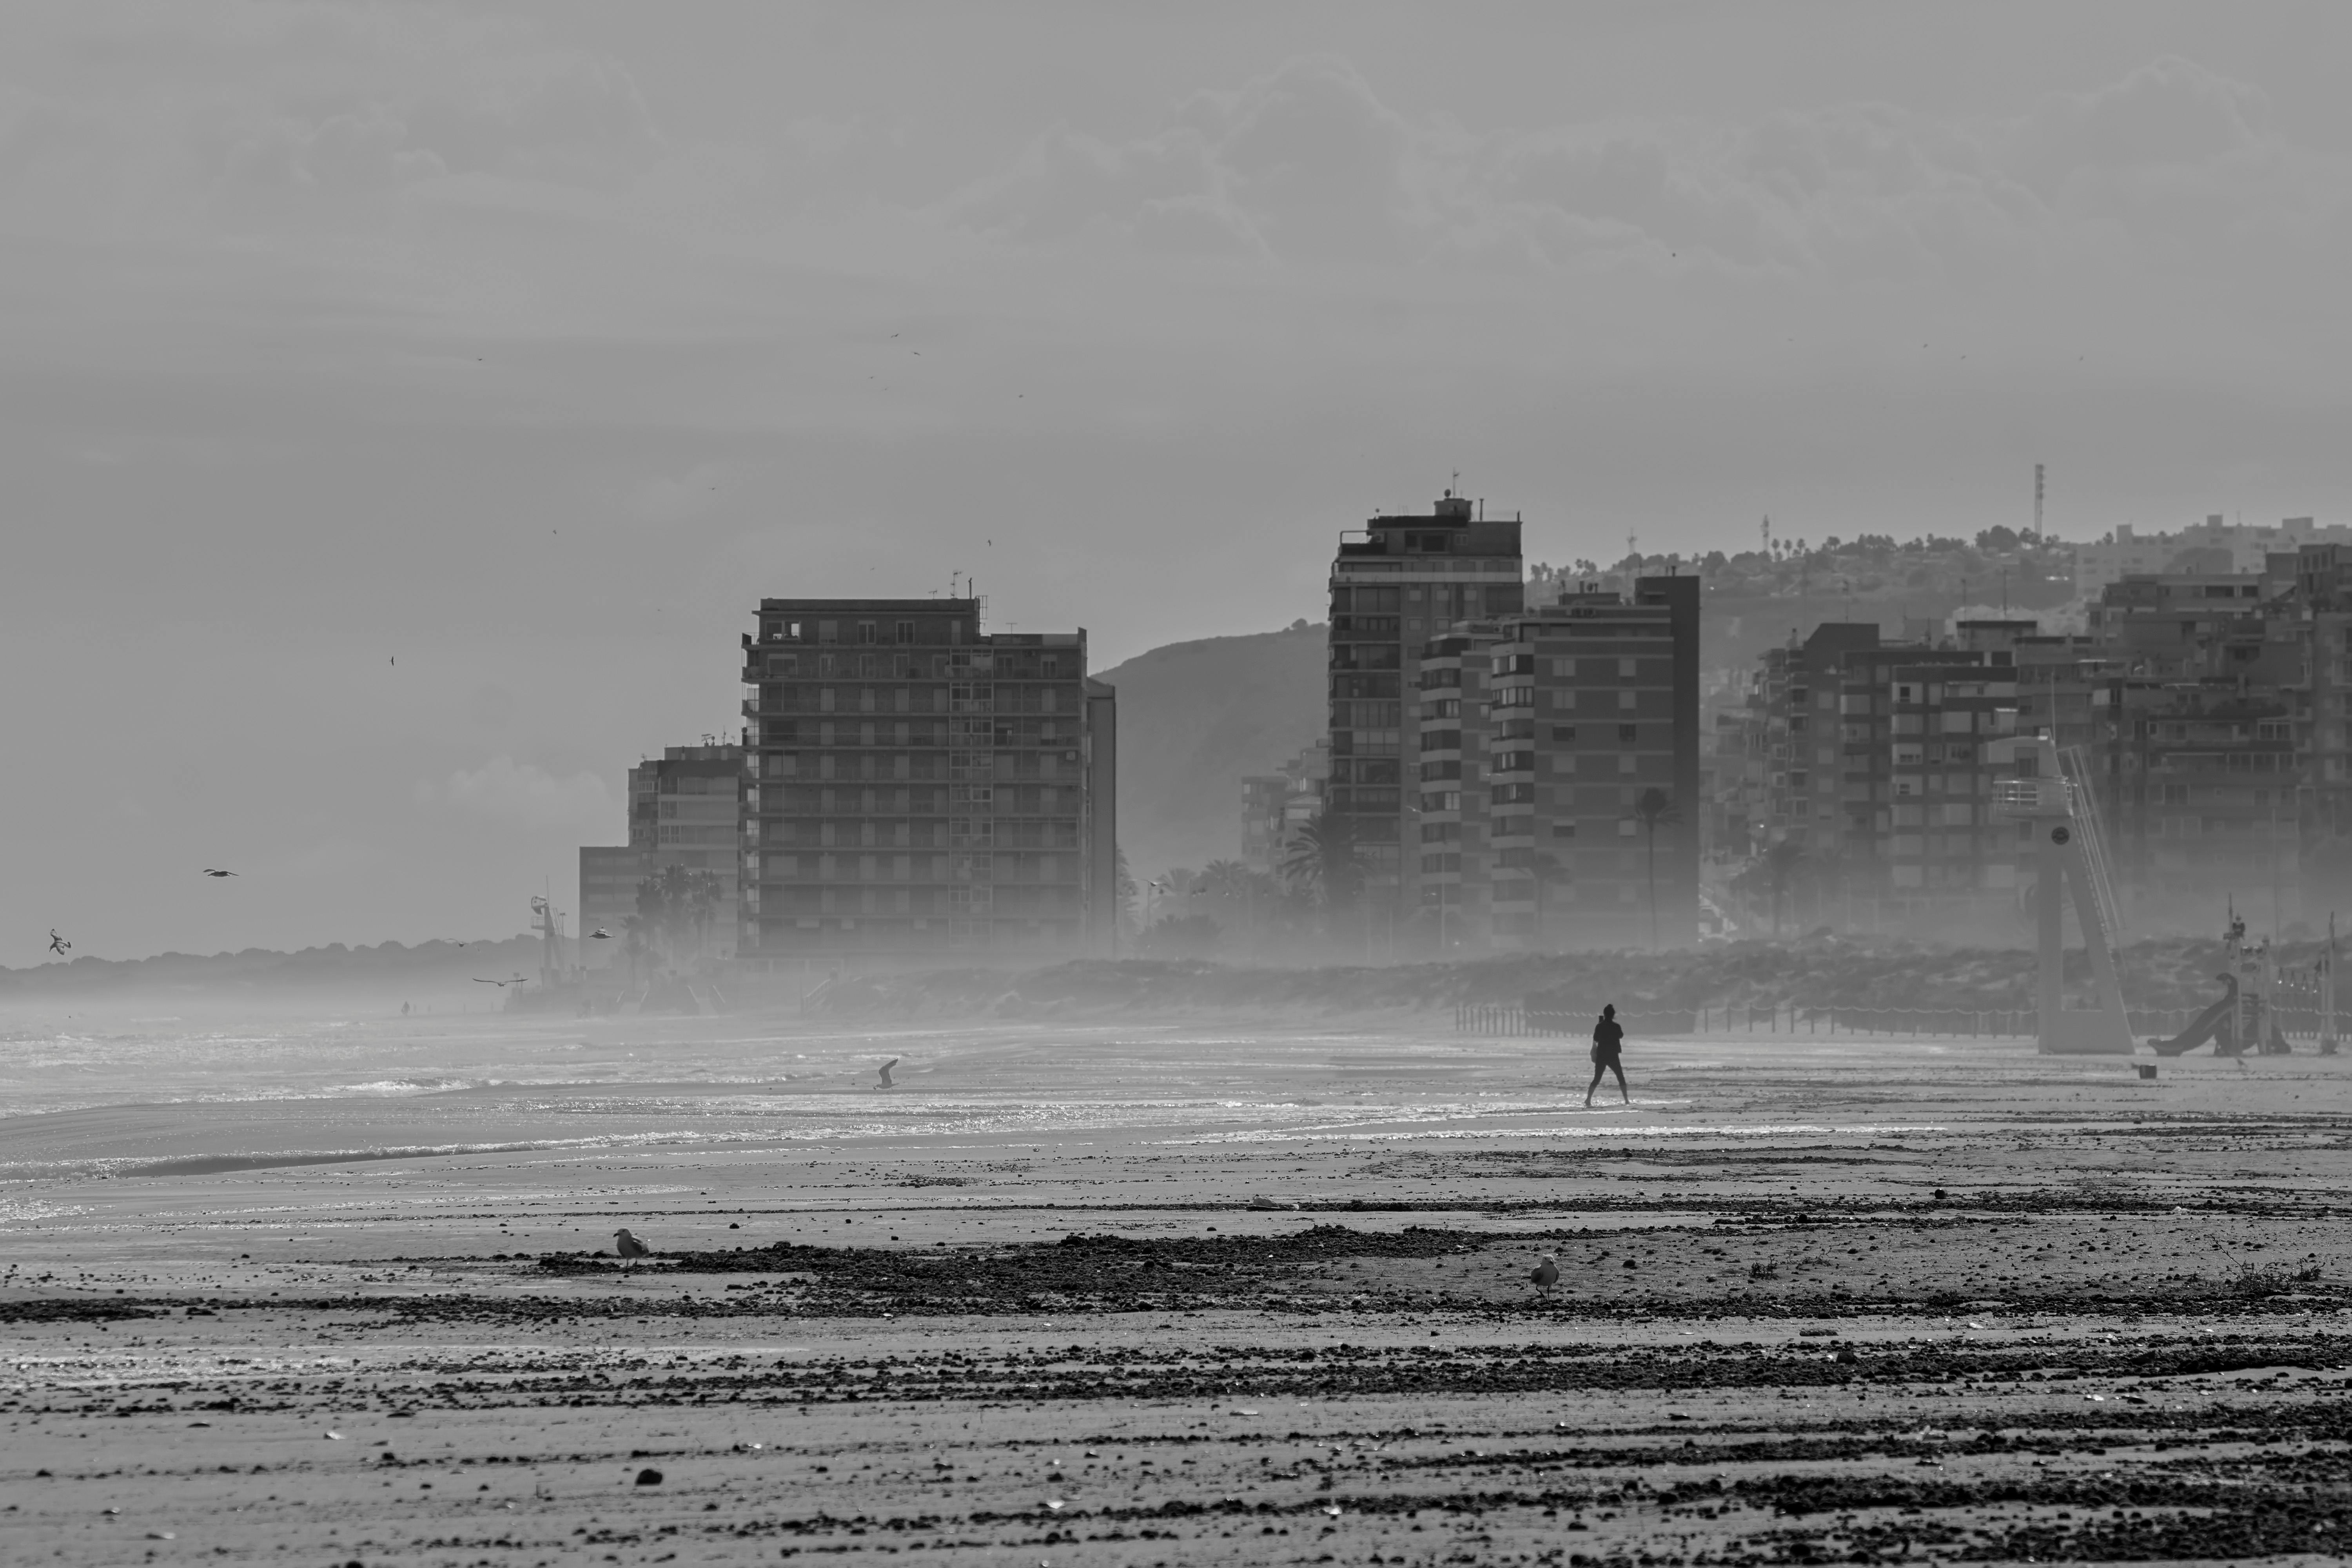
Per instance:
{"type": "Point", "coordinates": [1559, 790]}
{"type": "Point", "coordinates": [914, 785]}
{"type": "Point", "coordinates": [1397, 583]}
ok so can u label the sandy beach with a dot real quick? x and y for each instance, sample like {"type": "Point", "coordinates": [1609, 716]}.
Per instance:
{"type": "Point", "coordinates": [1159, 1295]}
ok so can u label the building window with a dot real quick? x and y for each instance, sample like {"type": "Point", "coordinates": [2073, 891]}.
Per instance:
{"type": "Point", "coordinates": [1049, 667]}
{"type": "Point", "coordinates": [1564, 731]}
{"type": "Point", "coordinates": [906, 631]}
{"type": "Point", "coordinates": [866, 631]}
{"type": "Point", "coordinates": [828, 631]}
{"type": "Point", "coordinates": [1625, 701]}
{"type": "Point", "coordinates": [1627, 732]}
{"type": "Point", "coordinates": [1624, 669]}
{"type": "Point", "coordinates": [1563, 830]}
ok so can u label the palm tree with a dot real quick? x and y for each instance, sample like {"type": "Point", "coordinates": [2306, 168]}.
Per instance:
{"type": "Point", "coordinates": [1232, 884]}
{"type": "Point", "coordinates": [1548, 874]}
{"type": "Point", "coordinates": [633, 943]}
{"type": "Point", "coordinates": [1122, 891]}
{"type": "Point", "coordinates": [1322, 861]}
{"type": "Point", "coordinates": [1654, 809]}
{"type": "Point", "coordinates": [703, 890]}
{"type": "Point", "coordinates": [1781, 863]}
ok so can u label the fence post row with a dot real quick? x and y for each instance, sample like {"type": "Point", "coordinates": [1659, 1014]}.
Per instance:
{"type": "Point", "coordinates": [1501, 1020]}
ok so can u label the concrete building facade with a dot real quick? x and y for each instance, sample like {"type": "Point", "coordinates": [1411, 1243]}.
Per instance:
{"type": "Point", "coordinates": [685, 810]}
{"type": "Point", "coordinates": [1557, 798]}
{"type": "Point", "coordinates": [916, 786]}
{"type": "Point", "coordinates": [1396, 583]}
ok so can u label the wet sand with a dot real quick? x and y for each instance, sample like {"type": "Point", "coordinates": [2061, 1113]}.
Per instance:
{"type": "Point", "coordinates": [1177, 1296]}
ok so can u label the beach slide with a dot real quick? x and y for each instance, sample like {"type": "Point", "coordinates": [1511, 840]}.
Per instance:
{"type": "Point", "coordinates": [2206, 1026]}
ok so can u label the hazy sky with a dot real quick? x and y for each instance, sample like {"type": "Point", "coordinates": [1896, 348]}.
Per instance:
{"type": "Point", "coordinates": [529, 344]}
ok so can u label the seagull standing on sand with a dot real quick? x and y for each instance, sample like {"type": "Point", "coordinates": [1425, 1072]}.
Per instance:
{"type": "Point", "coordinates": [886, 1072]}
{"type": "Point", "coordinates": [1546, 1274]}
{"type": "Point", "coordinates": [628, 1245]}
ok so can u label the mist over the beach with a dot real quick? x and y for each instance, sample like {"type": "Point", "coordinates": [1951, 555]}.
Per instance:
{"type": "Point", "coordinates": [1326, 783]}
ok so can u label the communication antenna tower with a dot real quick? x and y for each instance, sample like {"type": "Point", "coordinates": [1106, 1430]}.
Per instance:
{"type": "Point", "coordinates": [2037, 500]}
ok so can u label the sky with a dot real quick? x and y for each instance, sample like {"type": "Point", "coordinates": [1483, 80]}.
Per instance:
{"type": "Point", "coordinates": [404, 407]}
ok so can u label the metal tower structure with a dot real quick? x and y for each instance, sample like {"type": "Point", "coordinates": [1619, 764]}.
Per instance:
{"type": "Point", "coordinates": [2069, 861]}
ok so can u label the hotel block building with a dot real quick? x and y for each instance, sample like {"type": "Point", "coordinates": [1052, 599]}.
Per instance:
{"type": "Point", "coordinates": [914, 785]}
{"type": "Point", "coordinates": [1396, 583]}
{"type": "Point", "coordinates": [1557, 798]}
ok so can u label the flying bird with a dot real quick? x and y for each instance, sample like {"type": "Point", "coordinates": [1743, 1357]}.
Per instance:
{"type": "Point", "coordinates": [600, 935]}
{"type": "Point", "coordinates": [501, 984]}
{"type": "Point", "coordinates": [628, 1245]}
{"type": "Point", "coordinates": [210, 872]}
{"type": "Point", "coordinates": [59, 944]}
{"type": "Point", "coordinates": [886, 1072]}
{"type": "Point", "coordinates": [1544, 1274]}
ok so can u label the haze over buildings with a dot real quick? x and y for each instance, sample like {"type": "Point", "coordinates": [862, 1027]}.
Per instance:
{"type": "Point", "coordinates": [520, 344]}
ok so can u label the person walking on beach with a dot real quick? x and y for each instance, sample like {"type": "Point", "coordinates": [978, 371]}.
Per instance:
{"type": "Point", "coordinates": [1608, 1053]}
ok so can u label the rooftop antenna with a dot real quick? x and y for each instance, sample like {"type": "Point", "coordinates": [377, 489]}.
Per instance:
{"type": "Point", "coordinates": [2037, 500]}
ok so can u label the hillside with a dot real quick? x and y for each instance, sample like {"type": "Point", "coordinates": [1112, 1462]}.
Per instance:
{"type": "Point", "coordinates": [1194, 719]}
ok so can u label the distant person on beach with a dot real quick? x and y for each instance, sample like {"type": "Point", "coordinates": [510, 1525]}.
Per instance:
{"type": "Point", "coordinates": [1608, 1054]}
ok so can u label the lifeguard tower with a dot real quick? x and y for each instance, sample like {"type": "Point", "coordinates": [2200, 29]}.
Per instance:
{"type": "Point", "coordinates": [2056, 805]}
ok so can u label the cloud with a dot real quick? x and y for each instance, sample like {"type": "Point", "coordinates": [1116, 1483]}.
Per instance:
{"type": "Point", "coordinates": [524, 794]}
{"type": "Point", "coordinates": [1307, 165]}
{"type": "Point", "coordinates": [1313, 158]}
{"type": "Point", "coordinates": [2168, 114]}
{"type": "Point", "coordinates": [365, 150]}
{"type": "Point", "coordinates": [1304, 161]}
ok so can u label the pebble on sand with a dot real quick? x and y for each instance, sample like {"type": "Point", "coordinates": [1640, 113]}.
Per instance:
{"type": "Point", "coordinates": [649, 1476]}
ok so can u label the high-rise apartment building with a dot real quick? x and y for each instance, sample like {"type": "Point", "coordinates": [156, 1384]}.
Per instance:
{"type": "Point", "coordinates": [1396, 583]}
{"type": "Point", "coordinates": [1558, 790]}
{"type": "Point", "coordinates": [915, 785]}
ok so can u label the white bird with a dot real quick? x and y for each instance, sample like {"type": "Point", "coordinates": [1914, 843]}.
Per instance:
{"type": "Point", "coordinates": [1546, 1274]}
{"type": "Point", "coordinates": [600, 935]}
{"type": "Point", "coordinates": [628, 1245]}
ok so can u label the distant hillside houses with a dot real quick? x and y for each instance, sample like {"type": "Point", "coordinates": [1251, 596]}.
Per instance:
{"type": "Point", "coordinates": [2213, 547]}
{"type": "Point", "coordinates": [2029, 570]}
